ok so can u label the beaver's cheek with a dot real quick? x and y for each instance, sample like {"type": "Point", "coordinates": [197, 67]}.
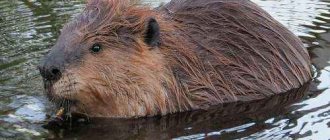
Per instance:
{"type": "Point", "coordinates": [81, 105]}
{"type": "Point", "coordinates": [87, 108]}
{"type": "Point", "coordinates": [85, 98]}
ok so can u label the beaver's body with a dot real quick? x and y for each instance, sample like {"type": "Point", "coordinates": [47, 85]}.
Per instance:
{"type": "Point", "coordinates": [244, 52]}
{"type": "Point", "coordinates": [185, 55]}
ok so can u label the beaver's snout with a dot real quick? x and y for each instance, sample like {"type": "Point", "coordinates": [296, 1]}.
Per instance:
{"type": "Point", "coordinates": [50, 69]}
{"type": "Point", "coordinates": [50, 73]}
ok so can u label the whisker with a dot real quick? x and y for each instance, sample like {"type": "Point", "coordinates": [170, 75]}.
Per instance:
{"type": "Point", "coordinates": [85, 112]}
{"type": "Point", "coordinates": [69, 92]}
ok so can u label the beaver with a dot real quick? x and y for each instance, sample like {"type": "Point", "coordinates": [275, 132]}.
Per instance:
{"type": "Point", "coordinates": [122, 59]}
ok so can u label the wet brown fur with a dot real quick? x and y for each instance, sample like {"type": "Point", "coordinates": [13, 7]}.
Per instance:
{"type": "Point", "coordinates": [211, 52]}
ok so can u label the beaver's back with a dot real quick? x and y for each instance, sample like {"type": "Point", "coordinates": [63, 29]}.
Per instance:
{"type": "Point", "coordinates": [245, 53]}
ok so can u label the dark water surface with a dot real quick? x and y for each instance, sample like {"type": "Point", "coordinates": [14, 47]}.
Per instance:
{"type": "Point", "coordinates": [28, 28]}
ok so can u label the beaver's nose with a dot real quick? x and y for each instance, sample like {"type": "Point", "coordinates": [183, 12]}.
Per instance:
{"type": "Point", "coordinates": [51, 73]}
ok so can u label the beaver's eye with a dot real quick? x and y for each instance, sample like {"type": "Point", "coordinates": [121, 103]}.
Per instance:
{"type": "Point", "coordinates": [96, 48]}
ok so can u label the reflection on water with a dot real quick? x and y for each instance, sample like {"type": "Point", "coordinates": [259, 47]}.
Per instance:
{"type": "Point", "coordinates": [29, 27]}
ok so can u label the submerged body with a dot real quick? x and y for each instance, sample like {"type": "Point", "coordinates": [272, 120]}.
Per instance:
{"type": "Point", "coordinates": [118, 59]}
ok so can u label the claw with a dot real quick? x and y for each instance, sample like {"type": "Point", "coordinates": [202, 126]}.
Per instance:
{"type": "Point", "coordinates": [60, 114]}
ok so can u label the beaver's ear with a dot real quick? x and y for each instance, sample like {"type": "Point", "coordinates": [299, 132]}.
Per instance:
{"type": "Point", "coordinates": [152, 33]}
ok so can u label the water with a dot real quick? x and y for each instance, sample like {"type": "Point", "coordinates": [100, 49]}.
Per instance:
{"type": "Point", "coordinates": [29, 27]}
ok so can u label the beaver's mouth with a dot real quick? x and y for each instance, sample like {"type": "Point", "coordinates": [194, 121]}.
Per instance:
{"type": "Point", "coordinates": [67, 104]}
{"type": "Point", "coordinates": [65, 115]}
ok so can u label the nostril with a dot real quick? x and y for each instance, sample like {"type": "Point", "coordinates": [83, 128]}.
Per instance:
{"type": "Point", "coordinates": [55, 72]}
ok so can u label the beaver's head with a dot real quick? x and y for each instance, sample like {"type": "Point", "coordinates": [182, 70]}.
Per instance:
{"type": "Point", "coordinates": [107, 62]}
